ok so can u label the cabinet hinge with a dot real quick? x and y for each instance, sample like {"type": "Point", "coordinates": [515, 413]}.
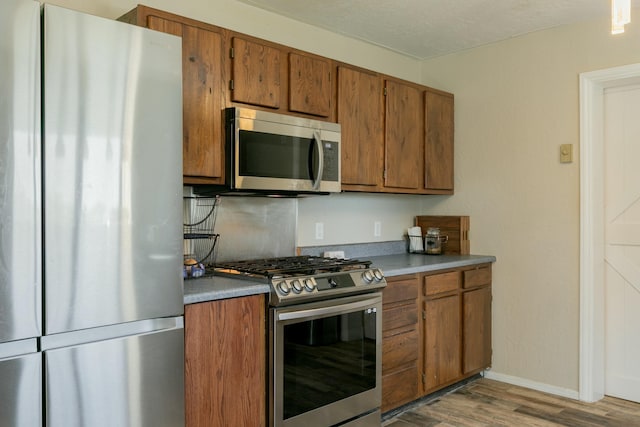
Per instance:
{"type": "Point", "coordinates": [424, 315]}
{"type": "Point", "coordinates": [231, 84]}
{"type": "Point", "coordinates": [424, 379]}
{"type": "Point", "coordinates": [384, 174]}
{"type": "Point", "coordinates": [384, 91]}
{"type": "Point", "coordinates": [231, 53]}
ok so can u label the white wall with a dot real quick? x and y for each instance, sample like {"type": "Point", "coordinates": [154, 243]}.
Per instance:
{"type": "Point", "coordinates": [516, 102]}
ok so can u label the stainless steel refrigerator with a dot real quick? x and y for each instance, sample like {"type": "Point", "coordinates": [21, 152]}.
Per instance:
{"type": "Point", "coordinates": [91, 326]}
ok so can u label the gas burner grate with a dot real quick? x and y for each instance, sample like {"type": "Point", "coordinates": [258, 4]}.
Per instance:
{"type": "Point", "coordinates": [292, 266]}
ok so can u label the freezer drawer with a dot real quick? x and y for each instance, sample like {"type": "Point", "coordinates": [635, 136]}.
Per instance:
{"type": "Point", "coordinates": [134, 381]}
{"type": "Point", "coordinates": [21, 391]}
{"type": "Point", "coordinates": [112, 172]}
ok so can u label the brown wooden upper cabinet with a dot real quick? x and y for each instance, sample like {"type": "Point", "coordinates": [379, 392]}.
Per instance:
{"type": "Point", "coordinates": [360, 114]}
{"type": "Point", "coordinates": [203, 99]}
{"type": "Point", "coordinates": [309, 85]}
{"type": "Point", "coordinates": [397, 136]}
{"type": "Point", "coordinates": [403, 137]}
{"type": "Point", "coordinates": [255, 73]}
{"type": "Point", "coordinates": [438, 152]}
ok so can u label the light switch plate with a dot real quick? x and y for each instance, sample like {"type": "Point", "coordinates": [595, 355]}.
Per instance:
{"type": "Point", "coordinates": [566, 153]}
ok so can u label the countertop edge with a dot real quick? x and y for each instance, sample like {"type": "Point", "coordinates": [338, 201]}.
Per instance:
{"type": "Point", "coordinates": [401, 264]}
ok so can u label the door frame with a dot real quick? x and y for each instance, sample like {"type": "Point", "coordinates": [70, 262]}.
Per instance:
{"type": "Point", "coordinates": [592, 315]}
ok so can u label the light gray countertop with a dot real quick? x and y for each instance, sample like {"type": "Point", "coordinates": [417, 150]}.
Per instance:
{"type": "Point", "coordinates": [220, 287]}
{"type": "Point", "coordinates": [399, 264]}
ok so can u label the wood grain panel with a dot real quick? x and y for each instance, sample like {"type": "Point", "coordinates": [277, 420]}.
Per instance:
{"type": "Point", "coordinates": [398, 350]}
{"type": "Point", "coordinates": [309, 85]}
{"type": "Point", "coordinates": [476, 326]}
{"type": "Point", "coordinates": [438, 153]}
{"type": "Point", "coordinates": [399, 387]}
{"type": "Point", "coordinates": [225, 363]}
{"type": "Point", "coordinates": [442, 343]}
{"type": "Point", "coordinates": [439, 283]}
{"type": "Point", "coordinates": [404, 136]}
{"type": "Point", "coordinates": [360, 113]}
{"type": "Point", "coordinates": [479, 276]}
{"type": "Point", "coordinates": [400, 316]}
{"type": "Point", "coordinates": [400, 289]}
{"type": "Point", "coordinates": [255, 73]}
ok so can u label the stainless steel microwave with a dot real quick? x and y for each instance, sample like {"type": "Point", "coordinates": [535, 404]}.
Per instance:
{"type": "Point", "coordinates": [275, 153]}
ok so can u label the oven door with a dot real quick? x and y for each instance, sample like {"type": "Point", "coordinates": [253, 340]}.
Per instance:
{"type": "Point", "coordinates": [326, 361]}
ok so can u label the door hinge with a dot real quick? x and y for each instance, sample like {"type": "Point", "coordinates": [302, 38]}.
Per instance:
{"type": "Point", "coordinates": [384, 92]}
{"type": "Point", "coordinates": [424, 379]}
{"type": "Point", "coordinates": [231, 84]}
{"type": "Point", "coordinates": [424, 315]}
{"type": "Point", "coordinates": [232, 53]}
{"type": "Point", "coordinates": [384, 174]}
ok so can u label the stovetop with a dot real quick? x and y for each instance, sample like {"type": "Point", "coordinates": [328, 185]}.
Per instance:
{"type": "Point", "coordinates": [306, 278]}
{"type": "Point", "coordinates": [290, 266]}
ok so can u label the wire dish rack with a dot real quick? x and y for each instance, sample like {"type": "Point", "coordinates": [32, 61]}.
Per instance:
{"type": "Point", "coordinates": [200, 239]}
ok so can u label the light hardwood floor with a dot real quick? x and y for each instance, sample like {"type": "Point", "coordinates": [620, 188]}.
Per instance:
{"type": "Point", "coordinates": [491, 403]}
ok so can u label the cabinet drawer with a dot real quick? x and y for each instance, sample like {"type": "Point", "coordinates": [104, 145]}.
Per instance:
{"type": "Point", "coordinates": [398, 350]}
{"type": "Point", "coordinates": [477, 277]}
{"type": "Point", "coordinates": [398, 317]}
{"type": "Point", "coordinates": [439, 283]}
{"type": "Point", "coordinates": [399, 387]}
{"type": "Point", "coordinates": [400, 290]}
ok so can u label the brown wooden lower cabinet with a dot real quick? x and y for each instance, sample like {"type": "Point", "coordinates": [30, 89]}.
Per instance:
{"type": "Point", "coordinates": [400, 342]}
{"type": "Point", "coordinates": [442, 356]}
{"type": "Point", "coordinates": [225, 363]}
{"type": "Point", "coordinates": [449, 341]}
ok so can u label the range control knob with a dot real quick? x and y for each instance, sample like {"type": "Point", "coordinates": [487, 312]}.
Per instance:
{"type": "Point", "coordinates": [378, 275]}
{"type": "Point", "coordinates": [297, 287]}
{"type": "Point", "coordinates": [309, 284]}
{"type": "Point", "coordinates": [367, 276]}
{"type": "Point", "coordinates": [283, 288]}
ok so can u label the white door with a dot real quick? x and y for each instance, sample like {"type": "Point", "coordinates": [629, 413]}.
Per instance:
{"type": "Point", "coordinates": [622, 241]}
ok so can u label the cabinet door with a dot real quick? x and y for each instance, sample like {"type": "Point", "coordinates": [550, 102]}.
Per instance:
{"type": "Point", "coordinates": [438, 153]}
{"type": "Point", "coordinates": [309, 85]}
{"type": "Point", "coordinates": [203, 147]}
{"type": "Point", "coordinates": [442, 346]}
{"type": "Point", "coordinates": [255, 72]}
{"type": "Point", "coordinates": [477, 329]}
{"type": "Point", "coordinates": [360, 113]}
{"type": "Point", "coordinates": [404, 136]}
{"type": "Point", "coordinates": [225, 357]}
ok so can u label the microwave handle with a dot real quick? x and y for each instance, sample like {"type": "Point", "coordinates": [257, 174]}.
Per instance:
{"type": "Point", "coordinates": [316, 136]}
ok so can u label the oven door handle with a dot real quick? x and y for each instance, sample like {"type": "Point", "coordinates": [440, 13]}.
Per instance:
{"type": "Point", "coordinates": [333, 310]}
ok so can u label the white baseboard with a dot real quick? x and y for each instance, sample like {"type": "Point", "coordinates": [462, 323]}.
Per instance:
{"type": "Point", "coordinates": [534, 385]}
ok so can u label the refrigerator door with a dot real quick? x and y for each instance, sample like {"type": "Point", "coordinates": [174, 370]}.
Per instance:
{"type": "Point", "coordinates": [131, 381]}
{"type": "Point", "coordinates": [112, 172]}
{"type": "Point", "coordinates": [20, 205]}
{"type": "Point", "coordinates": [20, 388]}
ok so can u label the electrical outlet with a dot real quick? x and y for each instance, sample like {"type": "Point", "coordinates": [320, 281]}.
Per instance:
{"type": "Point", "coordinates": [319, 230]}
{"type": "Point", "coordinates": [377, 229]}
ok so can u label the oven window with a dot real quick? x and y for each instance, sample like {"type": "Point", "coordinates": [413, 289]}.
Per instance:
{"type": "Point", "coordinates": [328, 359]}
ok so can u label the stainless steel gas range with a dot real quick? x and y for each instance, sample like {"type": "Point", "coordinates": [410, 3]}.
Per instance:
{"type": "Point", "coordinates": [325, 340]}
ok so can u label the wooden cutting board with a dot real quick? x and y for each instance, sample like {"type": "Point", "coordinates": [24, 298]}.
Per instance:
{"type": "Point", "coordinates": [456, 227]}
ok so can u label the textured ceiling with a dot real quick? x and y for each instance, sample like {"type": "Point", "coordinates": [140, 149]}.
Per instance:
{"type": "Point", "coordinates": [428, 28]}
